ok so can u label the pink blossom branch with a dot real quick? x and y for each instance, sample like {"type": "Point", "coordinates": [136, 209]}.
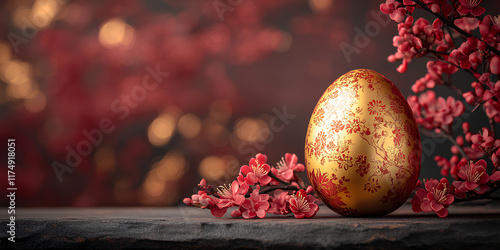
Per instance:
{"type": "Point", "coordinates": [485, 195]}
{"type": "Point", "coordinates": [438, 56]}
{"type": "Point", "coordinates": [450, 23]}
{"type": "Point", "coordinates": [252, 191]}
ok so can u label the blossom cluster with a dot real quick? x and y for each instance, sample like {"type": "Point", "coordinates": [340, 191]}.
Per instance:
{"type": "Point", "coordinates": [249, 192]}
{"type": "Point", "coordinates": [460, 38]}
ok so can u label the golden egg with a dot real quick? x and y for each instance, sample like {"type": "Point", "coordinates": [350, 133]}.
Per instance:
{"type": "Point", "coordinates": [362, 146]}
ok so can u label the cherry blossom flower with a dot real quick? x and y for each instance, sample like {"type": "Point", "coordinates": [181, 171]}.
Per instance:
{"type": "Point", "coordinates": [461, 55]}
{"type": "Point", "coordinates": [470, 6]}
{"type": "Point", "coordinates": [207, 201]}
{"type": "Point", "coordinates": [436, 112]}
{"type": "Point", "coordinates": [492, 109]}
{"type": "Point", "coordinates": [287, 167]}
{"type": "Point", "coordinates": [435, 197]}
{"type": "Point", "coordinates": [489, 28]}
{"type": "Point", "coordinates": [473, 177]}
{"type": "Point", "coordinates": [203, 200]}
{"type": "Point", "coordinates": [394, 10]}
{"type": "Point", "coordinates": [279, 202]}
{"type": "Point", "coordinates": [256, 205]}
{"type": "Point", "coordinates": [234, 195]}
{"type": "Point", "coordinates": [257, 170]}
{"type": "Point", "coordinates": [484, 140]}
{"type": "Point", "coordinates": [195, 199]}
{"type": "Point", "coordinates": [302, 205]}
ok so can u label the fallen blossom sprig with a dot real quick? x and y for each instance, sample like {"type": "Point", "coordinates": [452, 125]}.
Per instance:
{"type": "Point", "coordinates": [260, 189]}
{"type": "Point", "coordinates": [462, 38]}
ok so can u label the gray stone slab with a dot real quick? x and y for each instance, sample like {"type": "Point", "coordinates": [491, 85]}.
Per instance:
{"type": "Point", "coordinates": [476, 226]}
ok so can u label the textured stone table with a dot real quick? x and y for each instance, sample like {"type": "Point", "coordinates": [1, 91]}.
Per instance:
{"type": "Point", "coordinates": [475, 226]}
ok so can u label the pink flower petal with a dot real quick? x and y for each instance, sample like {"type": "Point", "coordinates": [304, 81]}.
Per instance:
{"type": "Point", "coordinates": [495, 65]}
{"type": "Point", "coordinates": [245, 169]}
{"type": "Point", "coordinates": [415, 202]}
{"type": "Point", "coordinates": [449, 199]}
{"type": "Point", "coordinates": [482, 162]}
{"type": "Point", "coordinates": [436, 206]}
{"type": "Point", "coordinates": [188, 201]}
{"type": "Point", "coordinates": [236, 213]}
{"type": "Point", "coordinates": [261, 158]}
{"type": "Point", "coordinates": [313, 209]}
{"type": "Point", "coordinates": [264, 205]}
{"type": "Point", "coordinates": [482, 189]}
{"type": "Point", "coordinates": [265, 180]}
{"type": "Point", "coordinates": [261, 213]}
{"type": "Point", "coordinates": [426, 206]}
{"type": "Point", "coordinates": [203, 183]}
{"type": "Point", "coordinates": [495, 176]}
{"type": "Point", "coordinates": [251, 179]}
{"type": "Point", "coordinates": [431, 184]}
{"type": "Point", "coordinates": [478, 11]}
{"type": "Point", "coordinates": [470, 185]}
{"type": "Point", "coordinates": [442, 213]}
{"type": "Point", "coordinates": [239, 199]}
{"type": "Point", "coordinates": [288, 175]}
{"type": "Point", "coordinates": [299, 215]}
{"type": "Point", "coordinates": [234, 187]}
{"type": "Point", "coordinates": [463, 187]}
{"type": "Point", "coordinates": [224, 203]}
{"type": "Point", "coordinates": [248, 204]}
{"type": "Point", "coordinates": [422, 193]}
{"type": "Point", "coordinates": [264, 197]}
{"type": "Point", "coordinates": [248, 214]}
{"type": "Point", "coordinates": [217, 212]}
{"type": "Point", "coordinates": [484, 178]}
{"type": "Point", "coordinates": [243, 188]}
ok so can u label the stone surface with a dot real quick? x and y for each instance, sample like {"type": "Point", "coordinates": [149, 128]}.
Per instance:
{"type": "Point", "coordinates": [476, 225]}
